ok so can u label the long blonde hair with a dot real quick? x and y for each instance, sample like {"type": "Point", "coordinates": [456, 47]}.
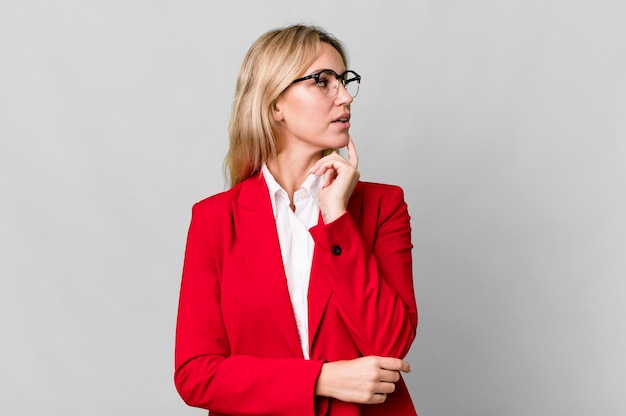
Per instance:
{"type": "Point", "coordinates": [272, 63]}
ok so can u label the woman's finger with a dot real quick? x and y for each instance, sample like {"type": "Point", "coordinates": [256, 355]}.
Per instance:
{"type": "Point", "coordinates": [353, 157]}
{"type": "Point", "coordinates": [379, 398]}
{"type": "Point", "coordinates": [394, 364]}
{"type": "Point", "coordinates": [328, 163]}
{"type": "Point", "coordinates": [334, 158]}
{"type": "Point", "coordinates": [328, 176]}
{"type": "Point", "coordinates": [389, 376]}
{"type": "Point", "coordinates": [385, 388]}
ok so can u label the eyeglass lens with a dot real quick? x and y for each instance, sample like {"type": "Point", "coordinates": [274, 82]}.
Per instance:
{"type": "Point", "coordinates": [329, 83]}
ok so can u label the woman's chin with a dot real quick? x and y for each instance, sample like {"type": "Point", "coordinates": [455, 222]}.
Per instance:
{"type": "Point", "coordinates": [342, 141]}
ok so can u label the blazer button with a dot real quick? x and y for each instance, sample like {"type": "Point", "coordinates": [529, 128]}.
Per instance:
{"type": "Point", "coordinates": [336, 250]}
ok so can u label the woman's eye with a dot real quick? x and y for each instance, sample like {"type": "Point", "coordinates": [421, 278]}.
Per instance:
{"type": "Point", "coordinates": [324, 80]}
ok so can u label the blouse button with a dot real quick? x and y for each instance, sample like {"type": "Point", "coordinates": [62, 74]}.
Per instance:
{"type": "Point", "coordinates": [336, 250]}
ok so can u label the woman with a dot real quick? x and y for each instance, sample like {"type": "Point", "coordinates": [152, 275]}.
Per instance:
{"type": "Point", "coordinates": [297, 294]}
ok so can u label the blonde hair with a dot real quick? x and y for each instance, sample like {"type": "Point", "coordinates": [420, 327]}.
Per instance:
{"type": "Point", "coordinates": [272, 63]}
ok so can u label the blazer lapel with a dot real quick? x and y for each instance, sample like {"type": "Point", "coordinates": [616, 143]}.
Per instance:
{"type": "Point", "coordinates": [319, 289]}
{"type": "Point", "coordinates": [256, 229]}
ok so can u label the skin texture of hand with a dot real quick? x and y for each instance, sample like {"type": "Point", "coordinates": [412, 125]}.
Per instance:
{"type": "Point", "coordinates": [340, 178]}
{"type": "Point", "coordinates": [365, 380]}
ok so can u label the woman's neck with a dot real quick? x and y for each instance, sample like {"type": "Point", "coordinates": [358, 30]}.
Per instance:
{"type": "Point", "coordinates": [291, 170]}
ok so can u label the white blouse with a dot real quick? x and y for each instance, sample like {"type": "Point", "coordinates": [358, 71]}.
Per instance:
{"type": "Point", "coordinates": [296, 243]}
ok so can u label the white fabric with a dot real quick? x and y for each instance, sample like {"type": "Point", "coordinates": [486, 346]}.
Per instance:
{"type": "Point", "coordinates": [296, 243]}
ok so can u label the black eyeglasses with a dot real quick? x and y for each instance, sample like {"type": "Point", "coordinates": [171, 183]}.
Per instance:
{"type": "Point", "coordinates": [328, 81]}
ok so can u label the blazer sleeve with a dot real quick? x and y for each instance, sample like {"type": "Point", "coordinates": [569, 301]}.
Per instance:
{"type": "Point", "coordinates": [372, 278]}
{"type": "Point", "coordinates": [206, 374]}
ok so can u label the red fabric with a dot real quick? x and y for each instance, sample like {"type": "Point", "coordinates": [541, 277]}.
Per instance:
{"type": "Point", "coordinates": [237, 346]}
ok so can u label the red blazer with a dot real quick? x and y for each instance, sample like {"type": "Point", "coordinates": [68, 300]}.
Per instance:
{"type": "Point", "coordinates": [237, 345]}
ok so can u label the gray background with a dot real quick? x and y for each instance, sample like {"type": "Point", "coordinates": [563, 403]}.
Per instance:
{"type": "Point", "coordinates": [504, 121]}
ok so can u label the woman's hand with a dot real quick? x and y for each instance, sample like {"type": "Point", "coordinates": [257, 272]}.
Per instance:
{"type": "Point", "coordinates": [365, 380]}
{"type": "Point", "coordinates": [340, 178]}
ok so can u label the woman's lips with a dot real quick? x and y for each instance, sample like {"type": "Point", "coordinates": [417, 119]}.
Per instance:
{"type": "Point", "coordinates": [343, 120]}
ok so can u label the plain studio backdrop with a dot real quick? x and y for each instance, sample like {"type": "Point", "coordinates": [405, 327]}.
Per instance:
{"type": "Point", "coordinates": [504, 122]}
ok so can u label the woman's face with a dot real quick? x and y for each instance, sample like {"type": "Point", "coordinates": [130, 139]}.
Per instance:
{"type": "Point", "coordinates": [306, 118]}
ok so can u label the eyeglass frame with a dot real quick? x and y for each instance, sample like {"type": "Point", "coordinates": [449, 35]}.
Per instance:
{"type": "Point", "coordinates": [316, 77]}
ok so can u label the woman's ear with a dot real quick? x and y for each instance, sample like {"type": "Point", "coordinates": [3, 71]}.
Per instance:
{"type": "Point", "coordinates": [276, 111]}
